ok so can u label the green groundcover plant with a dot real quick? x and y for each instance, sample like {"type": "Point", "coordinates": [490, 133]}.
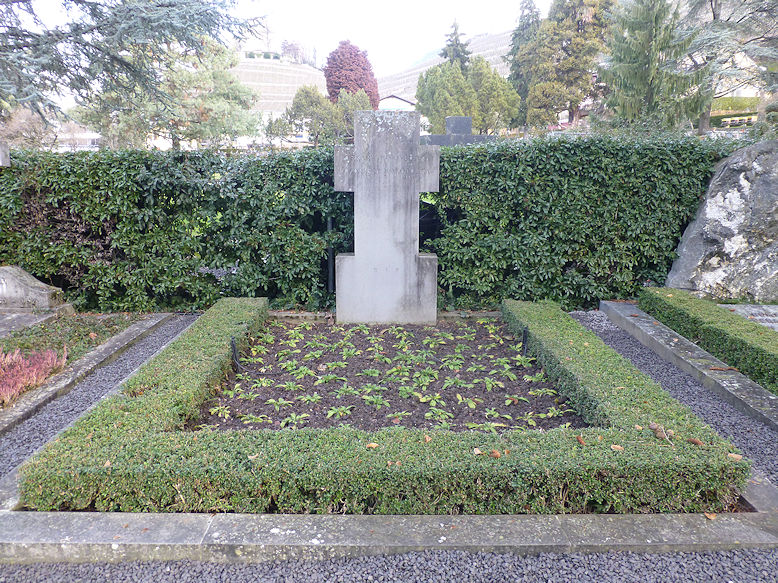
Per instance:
{"type": "Point", "coordinates": [568, 219]}
{"type": "Point", "coordinates": [644, 453]}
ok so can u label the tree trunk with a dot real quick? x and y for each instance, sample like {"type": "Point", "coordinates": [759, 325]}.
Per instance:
{"type": "Point", "coordinates": [703, 126]}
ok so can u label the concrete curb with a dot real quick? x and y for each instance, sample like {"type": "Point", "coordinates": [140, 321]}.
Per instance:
{"type": "Point", "coordinates": [32, 401]}
{"type": "Point", "coordinates": [90, 537]}
{"type": "Point", "coordinates": [735, 388]}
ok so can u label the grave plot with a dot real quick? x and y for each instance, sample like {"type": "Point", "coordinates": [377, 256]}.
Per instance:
{"type": "Point", "coordinates": [455, 376]}
{"type": "Point", "coordinates": [642, 451]}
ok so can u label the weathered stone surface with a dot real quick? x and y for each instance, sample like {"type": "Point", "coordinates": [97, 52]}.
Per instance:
{"type": "Point", "coordinates": [730, 250]}
{"type": "Point", "coordinates": [5, 156]}
{"type": "Point", "coordinates": [386, 280]}
{"type": "Point", "coordinates": [20, 291]}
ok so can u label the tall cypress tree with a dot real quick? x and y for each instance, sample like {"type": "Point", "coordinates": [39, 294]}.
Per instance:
{"type": "Point", "coordinates": [642, 71]}
{"type": "Point", "coordinates": [525, 32]}
{"type": "Point", "coordinates": [456, 50]}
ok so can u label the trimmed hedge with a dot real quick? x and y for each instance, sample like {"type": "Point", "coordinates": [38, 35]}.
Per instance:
{"type": "Point", "coordinates": [573, 220]}
{"type": "Point", "coordinates": [748, 346]}
{"type": "Point", "coordinates": [131, 454]}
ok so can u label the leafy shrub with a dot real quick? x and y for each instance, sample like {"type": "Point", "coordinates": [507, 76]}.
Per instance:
{"type": "Point", "coordinates": [573, 220]}
{"type": "Point", "coordinates": [746, 345]}
{"type": "Point", "coordinates": [139, 458]}
{"type": "Point", "coordinates": [19, 372]}
{"type": "Point", "coordinates": [735, 104]}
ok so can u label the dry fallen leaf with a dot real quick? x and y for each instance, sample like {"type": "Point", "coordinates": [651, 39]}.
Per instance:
{"type": "Point", "coordinates": [253, 457]}
{"type": "Point", "coordinates": [322, 367]}
{"type": "Point", "coordinates": [389, 464]}
{"type": "Point", "coordinates": [372, 445]}
{"type": "Point", "coordinates": [580, 439]}
{"type": "Point", "coordinates": [93, 335]}
{"type": "Point", "coordinates": [427, 439]}
{"type": "Point", "coordinates": [615, 447]}
{"type": "Point", "coordinates": [653, 426]}
{"type": "Point", "coordinates": [695, 441]}
{"type": "Point", "coordinates": [495, 454]}
{"type": "Point", "coordinates": [735, 456]}
{"type": "Point", "coordinates": [507, 452]}
{"type": "Point", "coordinates": [639, 427]}
{"type": "Point", "coordinates": [710, 515]}
{"type": "Point", "coordinates": [477, 451]}
{"type": "Point", "coordinates": [108, 463]}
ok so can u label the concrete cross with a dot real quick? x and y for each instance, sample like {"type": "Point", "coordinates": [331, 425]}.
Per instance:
{"type": "Point", "coordinates": [5, 158]}
{"type": "Point", "coordinates": [386, 280]}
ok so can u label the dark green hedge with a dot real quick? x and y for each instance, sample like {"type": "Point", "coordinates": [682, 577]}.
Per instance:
{"type": "Point", "coordinates": [748, 346]}
{"type": "Point", "coordinates": [131, 454]}
{"type": "Point", "coordinates": [573, 220]}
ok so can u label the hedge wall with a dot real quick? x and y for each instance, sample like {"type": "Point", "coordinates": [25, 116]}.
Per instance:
{"type": "Point", "coordinates": [573, 220]}
{"type": "Point", "coordinates": [131, 453]}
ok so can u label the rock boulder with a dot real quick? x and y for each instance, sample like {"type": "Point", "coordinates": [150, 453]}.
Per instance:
{"type": "Point", "coordinates": [730, 250]}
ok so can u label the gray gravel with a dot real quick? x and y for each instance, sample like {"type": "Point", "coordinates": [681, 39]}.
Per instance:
{"type": "Point", "coordinates": [428, 567]}
{"type": "Point", "coordinates": [24, 439]}
{"type": "Point", "coordinates": [756, 440]}
{"type": "Point", "coordinates": [741, 566]}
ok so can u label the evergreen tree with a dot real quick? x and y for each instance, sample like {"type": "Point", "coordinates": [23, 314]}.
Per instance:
{"type": "Point", "coordinates": [481, 94]}
{"type": "Point", "coordinates": [348, 68]}
{"type": "Point", "coordinates": [640, 71]}
{"type": "Point", "coordinates": [563, 58]}
{"type": "Point", "coordinates": [90, 52]}
{"type": "Point", "coordinates": [735, 42]}
{"type": "Point", "coordinates": [456, 50]}
{"type": "Point", "coordinates": [524, 33]}
{"type": "Point", "coordinates": [205, 104]}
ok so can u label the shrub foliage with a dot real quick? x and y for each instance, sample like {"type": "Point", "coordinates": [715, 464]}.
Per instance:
{"type": "Point", "coordinates": [573, 220]}
{"type": "Point", "coordinates": [131, 454]}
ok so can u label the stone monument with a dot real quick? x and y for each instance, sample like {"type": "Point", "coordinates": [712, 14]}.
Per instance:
{"type": "Point", "coordinates": [459, 131]}
{"type": "Point", "coordinates": [386, 279]}
{"type": "Point", "coordinates": [20, 292]}
{"type": "Point", "coordinates": [730, 250]}
{"type": "Point", "coordinates": [5, 155]}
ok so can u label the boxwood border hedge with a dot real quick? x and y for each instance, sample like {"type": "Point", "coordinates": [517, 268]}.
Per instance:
{"type": "Point", "coordinates": [130, 454]}
{"type": "Point", "coordinates": [748, 346]}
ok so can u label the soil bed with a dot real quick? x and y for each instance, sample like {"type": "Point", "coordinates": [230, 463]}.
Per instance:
{"type": "Point", "coordinates": [460, 376]}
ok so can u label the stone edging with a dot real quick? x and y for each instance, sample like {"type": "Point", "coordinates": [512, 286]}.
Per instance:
{"type": "Point", "coordinates": [61, 384]}
{"type": "Point", "coordinates": [729, 384]}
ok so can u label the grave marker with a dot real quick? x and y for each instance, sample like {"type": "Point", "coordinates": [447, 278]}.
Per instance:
{"type": "Point", "coordinates": [5, 155]}
{"type": "Point", "coordinates": [386, 279]}
{"type": "Point", "coordinates": [459, 131]}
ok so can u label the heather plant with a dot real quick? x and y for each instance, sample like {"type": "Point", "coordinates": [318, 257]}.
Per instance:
{"type": "Point", "coordinates": [20, 372]}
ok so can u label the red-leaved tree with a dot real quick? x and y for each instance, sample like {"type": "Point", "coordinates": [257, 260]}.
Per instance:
{"type": "Point", "coordinates": [348, 68]}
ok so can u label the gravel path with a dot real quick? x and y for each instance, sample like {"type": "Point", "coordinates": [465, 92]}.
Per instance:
{"type": "Point", "coordinates": [756, 440]}
{"type": "Point", "coordinates": [428, 567]}
{"type": "Point", "coordinates": [741, 566]}
{"type": "Point", "coordinates": [24, 439]}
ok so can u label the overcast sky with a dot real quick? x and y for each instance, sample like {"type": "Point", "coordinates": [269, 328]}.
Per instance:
{"type": "Point", "coordinates": [395, 34]}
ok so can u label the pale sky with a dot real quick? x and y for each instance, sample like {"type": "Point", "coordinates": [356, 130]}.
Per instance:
{"type": "Point", "coordinates": [395, 34]}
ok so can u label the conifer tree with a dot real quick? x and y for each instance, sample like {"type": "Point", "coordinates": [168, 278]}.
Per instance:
{"type": "Point", "coordinates": [89, 52]}
{"type": "Point", "coordinates": [456, 50]}
{"type": "Point", "coordinates": [525, 32]}
{"type": "Point", "coordinates": [642, 70]}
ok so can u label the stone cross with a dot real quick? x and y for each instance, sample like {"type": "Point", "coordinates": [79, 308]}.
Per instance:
{"type": "Point", "coordinates": [5, 156]}
{"type": "Point", "coordinates": [386, 279]}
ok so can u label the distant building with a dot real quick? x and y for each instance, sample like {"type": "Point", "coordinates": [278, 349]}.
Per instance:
{"type": "Point", "coordinates": [275, 80]}
{"type": "Point", "coordinates": [394, 103]}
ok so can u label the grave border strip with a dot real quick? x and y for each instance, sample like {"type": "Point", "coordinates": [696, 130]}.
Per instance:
{"type": "Point", "coordinates": [120, 436]}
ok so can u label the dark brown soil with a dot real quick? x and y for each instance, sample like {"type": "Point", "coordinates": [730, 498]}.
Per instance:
{"type": "Point", "coordinates": [457, 376]}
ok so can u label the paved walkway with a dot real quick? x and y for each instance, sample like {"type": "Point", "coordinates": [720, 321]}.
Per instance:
{"type": "Point", "coordinates": [11, 322]}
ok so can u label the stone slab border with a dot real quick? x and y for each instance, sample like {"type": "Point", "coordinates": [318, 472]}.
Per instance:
{"type": "Point", "coordinates": [732, 386]}
{"type": "Point", "coordinates": [27, 537]}
{"type": "Point", "coordinates": [61, 384]}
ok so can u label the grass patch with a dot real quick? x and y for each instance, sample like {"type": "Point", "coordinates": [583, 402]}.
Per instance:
{"type": "Point", "coordinates": [31, 355]}
{"type": "Point", "coordinates": [130, 452]}
{"type": "Point", "coordinates": [79, 332]}
{"type": "Point", "coordinates": [748, 346]}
